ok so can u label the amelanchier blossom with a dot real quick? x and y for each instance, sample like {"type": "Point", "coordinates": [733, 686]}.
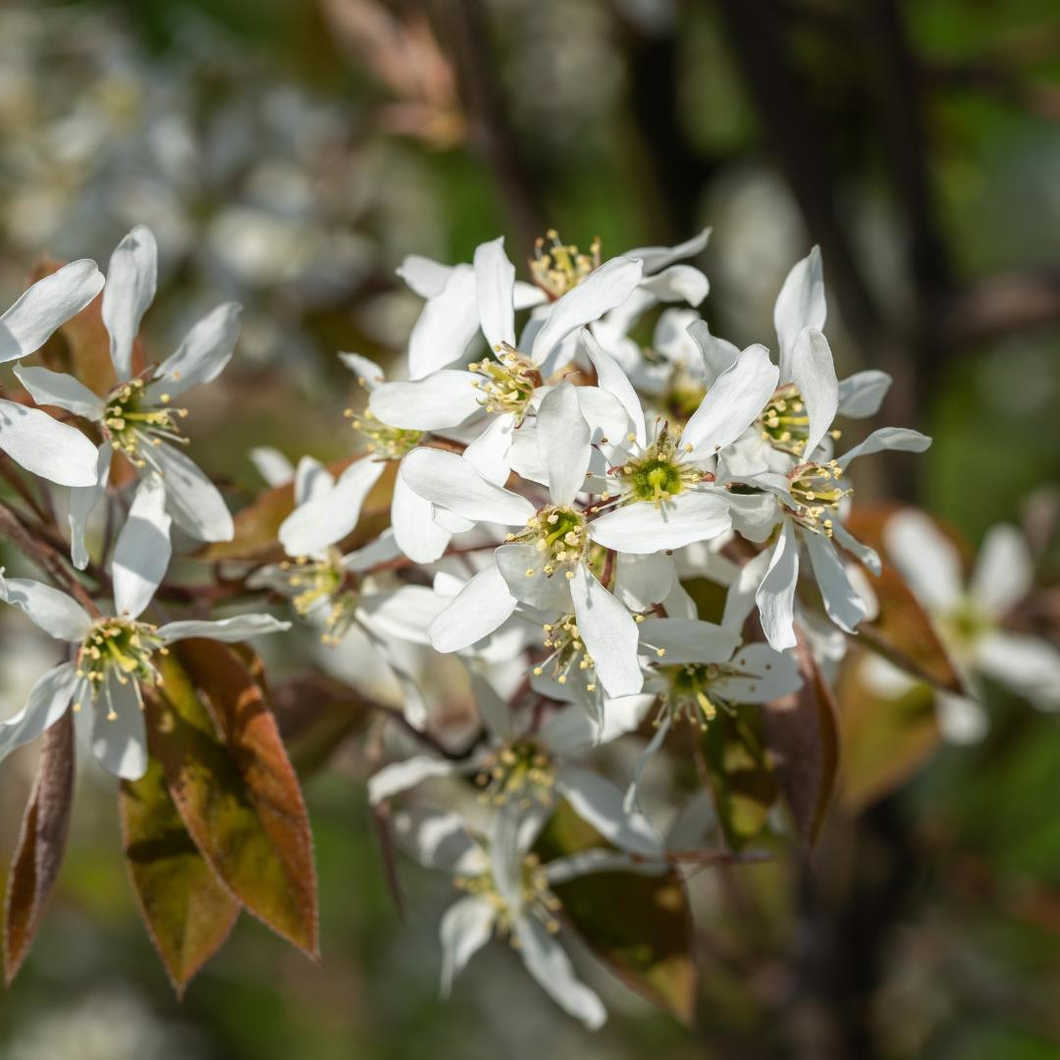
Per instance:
{"type": "Point", "coordinates": [507, 892]}
{"type": "Point", "coordinates": [138, 419]}
{"type": "Point", "coordinates": [115, 653]}
{"type": "Point", "coordinates": [971, 618]}
{"type": "Point", "coordinates": [55, 451]}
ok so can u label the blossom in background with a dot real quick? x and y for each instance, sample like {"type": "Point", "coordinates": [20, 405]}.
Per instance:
{"type": "Point", "coordinates": [509, 893]}
{"type": "Point", "coordinates": [115, 653]}
{"type": "Point", "coordinates": [40, 444]}
{"type": "Point", "coordinates": [137, 418]}
{"type": "Point", "coordinates": [970, 618]}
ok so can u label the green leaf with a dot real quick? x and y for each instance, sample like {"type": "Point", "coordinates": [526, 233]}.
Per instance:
{"type": "Point", "coordinates": [640, 925]}
{"type": "Point", "coordinates": [237, 794]}
{"type": "Point", "coordinates": [188, 911]}
{"type": "Point", "coordinates": [40, 845]}
{"type": "Point", "coordinates": [741, 777]}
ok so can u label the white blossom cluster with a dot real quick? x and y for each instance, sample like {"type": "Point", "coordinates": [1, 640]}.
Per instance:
{"type": "Point", "coordinates": [557, 490]}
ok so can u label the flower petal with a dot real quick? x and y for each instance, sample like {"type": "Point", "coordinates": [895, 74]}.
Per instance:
{"type": "Point", "coordinates": [928, 560]}
{"type": "Point", "coordinates": [311, 480]}
{"type": "Point", "coordinates": [203, 354]}
{"type": "Point", "coordinates": [397, 777]}
{"type": "Point", "coordinates": [194, 501]}
{"type": "Point", "coordinates": [119, 736]}
{"type": "Point", "coordinates": [45, 447]}
{"type": "Point", "coordinates": [776, 594]}
{"type": "Point", "coordinates": [132, 276]}
{"type": "Point", "coordinates": [489, 452]}
{"type": "Point", "coordinates": [61, 390]}
{"type": "Point", "coordinates": [50, 302]}
{"type": "Point", "coordinates": [563, 441]}
{"type": "Point", "coordinates": [272, 465]}
{"type": "Point", "coordinates": [446, 326]}
{"type": "Point", "coordinates": [961, 719]}
{"type": "Point", "coordinates": [861, 552]}
{"type": "Point", "coordinates": [677, 283]}
{"type": "Point", "coordinates": [733, 403]}
{"type": "Point", "coordinates": [643, 580]}
{"type": "Point", "coordinates": [451, 482]}
{"type": "Point", "coordinates": [605, 288]}
{"type": "Point", "coordinates": [226, 630]}
{"type": "Point", "coordinates": [412, 520]}
{"type": "Point", "coordinates": [861, 394]}
{"type": "Point", "coordinates": [632, 797]}
{"type": "Point", "coordinates": [656, 258]}
{"type": "Point", "coordinates": [440, 400]}
{"type": "Point", "coordinates": [475, 612]}
{"type": "Point", "coordinates": [642, 528]}
{"type": "Point", "coordinates": [141, 555]}
{"type": "Point", "coordinates": [800, 304]}
{"type": "Point", "coordinates": [1004, 571]}
{"type": "Point", "coordinates": [424, 275]}
{"type": "Point", "coordinates": [841, 600]}
{"type": "Point", "coordinates": [495, 281]}
{"type": "Point", "coordinates": [599, 803]}
{"type": "Point", "coordinates": [405, 612]}
{"type": "Point", "coordinates": [719, 355]}
{"type": "Point", "coordinates": [901, 438]}
{"type": "Point", "coordinates": [609, 633]}
{"type": "Point", "coordinates": [367, 373]}
{"type": "Point", "coordinates": [438, 840]}
{"type": "Point", "coordinates": [83, 501]}
{"type": "Point", "coordinates": [614, 381]}
{"type": "Point", "coordinates": [1023, 662]}
{"type": "Point", "coordinates": [329, 517]}
{"type": "Point", "coordinates": [59, 615]}
{"type": "Point", "coordinates": [813, 373]}
{"type": "Point", "coordinates": [521, 567]}
{"type": "Point", "coordinates": [466, 927]}
{"type": "Point", "coordinates": [764, 675]}
{"type": "Point", "coordinates": [48, 701]}
{"type": "Point", "coordinates": [688, 640]}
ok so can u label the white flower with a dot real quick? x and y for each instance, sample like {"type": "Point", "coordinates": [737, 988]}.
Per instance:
{"type": "Point", "coordinates": [42, 445]}
{"type": "Point", "coordinates": [509, 892]}
{"type": "Point", "coordinates": [970, 618]}
{"type": "Point", "coordinates": [114, 653]}
{"type": "Point", "coordinates": [137, 418]}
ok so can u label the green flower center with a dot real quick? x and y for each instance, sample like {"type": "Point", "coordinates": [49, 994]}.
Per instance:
{"type": "Point", "coordinates": [520, 770]}
{"type": "Point", "coordinates": [558, 534]}
{"type": "Point", "coordinates": [660, 473]}
{"type": "Point", "coordinates": [689, 695]}
{"type": "Point", "coordinates": [390, 443]}
{"type": "Point", "coordinates": [312, 584]}
{"type": "Point", "coordinates": [135, 425]}
{"type": "Point", "coordinates": [557, 267]}
{"type": "Point", "coordinates": [122, 648]}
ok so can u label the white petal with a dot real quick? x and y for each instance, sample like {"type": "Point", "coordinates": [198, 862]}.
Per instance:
{"type": "Point", "coordinates": [42, 445]}
{"type": "Point", "coordinates": [765, 675]}
{"type": "Point", "coordinates": [813, 373]}
{"type": "Point", "coordinates": [928, 560]}
{"type": "Point", "coordinates": [800, 304]}
{"type": "Point", "coordinates": [641, 581]}
{"type": "Point", "coordinates": [119, 737]}
{"type": "Point", "coordinates": [640, 527]}
{"type": "Point", "coordinates": [887, 438]}
{"type": "Point", "coordinates": [331, 516]}
{"type": "Point", "coordinates": [439, 840]}
{"type": "Point", "coordinates": [563, 441]}
{"type": "Point", "coordinates": [194, 501]}
{"type": "Point", "coordinates": [203, 354]}
{"type": "Point", "coordinates": [446, 326]}
{"type": "Point", "coordinates": [740, 600]}
{"type": "Point", "coordinates": [600, 859]}
{"type": "Point", "coordinates": [606, 287]}
{"type": "Point", "coordinates": [50, 302]}
{"type": "Point", "coordinates": [537, 589]}
{"type": "Point", "coordinates": [466, 927]}
{"type": "Point", "coordinates": [83, 501]}
{"type": "Point", "coordinates": [397, 777]}
{"type": "Point", "coordinates": [603, 412]}
{"type": "Point", "coordinates": [61, 390]}
{"type": "Point", "coordinates": [549, 965]}
{"type": "Point", "coordinates": [495, 280]}
{"type": "Point", "coordinates": [632, 797]}
{"type": "Point", "coordinates": [48, 701]}
{"type": "Point", "coordinates": [367, 373]}
{"type": "Point", "coordinates": [841, 601]}
{"type": "Point", "coordinates": [272, 465]}
{"type": "Point", "coordinates": [311, 480]}
{"type": "Point", "coordinates": [449, 481]}
{"type": "Point", "coordinates": [609, 634]}
{"type": "Point", "coordinates": [865, 555]}
{"type": "Point", "coordinates": [59, 615]}
{"type": "Point", "coordinates": [405, 612]}
{"type": "Point", "coordinates": [754, 515]}
{"type": "Point", "coordinates": [688, 640]}
{"type": "Point", "coordinates": [861, 394]}
{"type": "Point", "coordinates": [440, 400]}
{"type": "Point", "coordinates": [1025, 663]}
{"type": "Point", "coordinates": [656, 258]}
{"type": "Point", "coordinates": [598, 802]}
{"type": "Point", "coordinates": [1004, 571]}
{"type": "Point", "coordinates": [424, 275]}
{"type": "Point", "coordinates": [131, 280]}
{"type": "Point", "coordinates": [961, 720]}
{"type": "Point", "coordinates": [141, 555]}
{"type": "Point", "coordinates": [719, 355]}
{"type": "Point", "coordinates": [226, 630]}
{"type": "Point", "coordinates": [776, 595]}
{"type": "Point", "coordinates": [678, 283]}
{"type": "Point", "coordinates": [475, 612]}
{"type": "Point", "coordinates": [733, 403]}
{"type": "Point", "coordinates": [412, 520]}
{"type": "Point", "coordinates": [613, 380]}
{"type": "Point", "coordinates": [528, 295]}
{"type": "Point", "coordinates": [381, 550]}
{"type": "Point", "coordinates": [489, 452]}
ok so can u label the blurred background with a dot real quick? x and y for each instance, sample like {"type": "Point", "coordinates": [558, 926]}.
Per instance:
{"type": "Point", "coordinates": [289, 156]}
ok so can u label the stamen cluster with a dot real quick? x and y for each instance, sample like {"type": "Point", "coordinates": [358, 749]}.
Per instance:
{"type": "Point", "coordinates": [560, 267]}
{"type": "Point", "coordinates": [520, 770]}
{"type": "Point", "coordinates": [122, 648]}
{"type": "Point", "coordinates": [817, 493]}
{"type": "Point", "coordinates": [135, 425]}
{"type": "Point", "coordinates": [536, 897]}
{"type": "Point", "coordinates": [506, 384]}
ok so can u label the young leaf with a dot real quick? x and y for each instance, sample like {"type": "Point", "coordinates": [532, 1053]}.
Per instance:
{"type": "Point", "coordinates": [234, 787]}
{"type": "Point", "coordinates": [40, 844]}
{"type": "Point", "coordinates": [639, 924]}
{"type": "Point", "coordinates": [741, 777]}
{"type": "Point", "coordinates": [188, 911]}
{"type": "Point", "coordinates": [802, 731]}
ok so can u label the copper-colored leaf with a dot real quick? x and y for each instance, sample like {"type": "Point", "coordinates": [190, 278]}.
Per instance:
{"type": "Point", "coordinates": [258, 524]}
{"type": "Point", "coordinates": [188, 911]}
{"type": "Point", "coordinates": [40, 845]}
{"type": "Point", "coordinates": [234, 787]}
{"type": "Point", "coordinates": [902, 631]}
{"type": "Point", "coordinates": [802, 732]}
{"type": "Point", "coordinates": [639, 924]}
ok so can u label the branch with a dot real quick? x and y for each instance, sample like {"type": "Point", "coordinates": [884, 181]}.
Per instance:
{"type": "Point", "coordinates": [1000, 305]}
